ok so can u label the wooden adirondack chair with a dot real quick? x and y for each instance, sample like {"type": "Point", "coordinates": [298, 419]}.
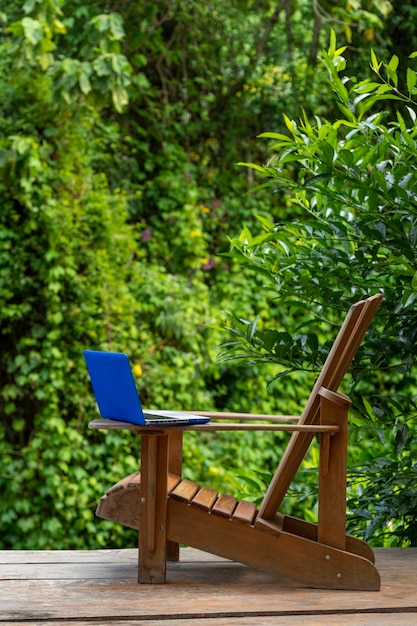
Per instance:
{"type": "Point", "coordinates": [168, 510]}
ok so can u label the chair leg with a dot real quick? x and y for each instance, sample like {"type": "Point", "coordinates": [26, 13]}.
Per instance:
{"type": "Point", "coordinates": [332, 474]}
{"type": "Point", "coordinates": [153, 509]}
{"type": "Point", "coordinates": [174, 467]}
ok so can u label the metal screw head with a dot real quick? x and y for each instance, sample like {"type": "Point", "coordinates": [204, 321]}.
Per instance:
{"type": "Point", "coordinates": [339, 575]}
{"type": "Point", "coordinates": [143, 499]}
{"type": "Point", "coordinates": [328, 557]}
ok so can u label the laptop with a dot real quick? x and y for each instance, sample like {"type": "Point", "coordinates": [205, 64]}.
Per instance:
{"type": "Point", "coordinates": [117, 397]}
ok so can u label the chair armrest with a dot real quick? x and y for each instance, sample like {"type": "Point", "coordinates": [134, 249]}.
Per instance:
{"type": "Point", "coordinates": [253, 417]}
{"type": "Point", "coordinates": [307, 428]}
{"type": "Point", "coordinates": [104, 424]}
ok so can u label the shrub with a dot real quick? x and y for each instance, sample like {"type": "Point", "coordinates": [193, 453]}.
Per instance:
{"type": "Point", "coordinates": [353, 184]}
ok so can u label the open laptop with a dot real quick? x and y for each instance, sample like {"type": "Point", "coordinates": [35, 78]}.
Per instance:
{"type": "Point", "coordinates": [117, 397]}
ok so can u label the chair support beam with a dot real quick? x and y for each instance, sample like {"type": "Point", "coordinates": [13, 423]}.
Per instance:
{"type": "Point", "coordinates": [334, 409]}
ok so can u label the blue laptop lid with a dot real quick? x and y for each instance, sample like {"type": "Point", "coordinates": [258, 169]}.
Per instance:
{"type": "Point", "coordinates": [114, 386]}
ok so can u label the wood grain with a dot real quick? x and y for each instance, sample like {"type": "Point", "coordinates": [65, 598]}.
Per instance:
{"type": "Point", "coordinates": [86, 587]}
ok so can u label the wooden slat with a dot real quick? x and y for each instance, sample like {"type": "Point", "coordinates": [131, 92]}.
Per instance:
{"type": "Point", "coordinates": [87, 587]}
{"type": "Point", "coordinates": [134, 482]}
{"type": "Point", "coordinates": [245, 512]}
{"type": "Point", "coordinates": [252, 417]}
{"type": "Point", "coordinates": [124, 483]}
{"type": "Point", "coordinates": [173, 481]}
{"type": "Point", "coordinates": [283, 428]}
{"type": "Point", "coordinates": [184, 491]}
{"type": "Point", "coordinates": [224, 506]}
{"type": "Point", "coordinates": [205, 498]}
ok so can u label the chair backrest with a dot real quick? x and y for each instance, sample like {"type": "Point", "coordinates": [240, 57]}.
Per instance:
{"type": "Point", "coordinates": [338, 360]}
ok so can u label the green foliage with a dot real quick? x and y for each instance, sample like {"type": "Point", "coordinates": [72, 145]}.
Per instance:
{"type": "Point", "coordinates": [383, 499]}
{"type": "Point", "coordinates": [99, 70]}
{"type": "Point", "coordinates": [353, 185]}
{"type": "Point", "coordinates": [117, 135]}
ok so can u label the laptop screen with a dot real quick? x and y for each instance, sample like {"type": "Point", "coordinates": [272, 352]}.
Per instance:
{"type": "Point", "coordinates": [114, 386]}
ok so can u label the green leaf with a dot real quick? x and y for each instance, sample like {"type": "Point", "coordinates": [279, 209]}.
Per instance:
{"type": "Point", "coordinates": [411, 79]}
{"type": "Point", "coordinates": [366, 86]}
{"type": "Point", "coordinates": [33, 30]}
{"type": "Point", "coordinates": [332, 45]}
{"type": "Point", "coordinates": [119, 63]}
{"type": "Point", "coordinates": [284, 138]}
{"type": "Point", "coordinates": [340, 51]}
{"type": "Point", "coordinates": [412, 114]}
{"type": "Point", "coordinates": [291, 125]}
{"type": "Point", "coordinates": [414, 282]}
{"type": "Point", "coordinates": [120, 98]}
{"type": "Point", "coordinates": [101, 66]}
{"type": "Point", "coordinates": [116, 26]}
{"type": "Point", "coordinates": [253, 166]}
{"type": "Point", "coordinates": [393, 64]}
{"type": "Point", "coordinates": [85, 84]}
{"type": "Point", "coordinates": [391, 69]}
{"type": "Point", "coordinates": [374, 62]}
{"type": "Point", "coordinates": [365, 105]}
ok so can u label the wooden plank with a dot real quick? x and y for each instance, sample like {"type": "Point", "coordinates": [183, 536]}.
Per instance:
{"type": "Point", "coordinates": [26, 558]}
{"type": "Point", "coordinates": [204, 498]}
{"type": "Point", "coordinates": [48, 564]}
{"type": "Point", "coordinates": [224, 506]}
{"type": "Point", "coordinates": [212, 426]}
{"type": "Point", "coordinates": [285, 428]}
{"type": "Point", "coordinates": [184, 491]}
{"type": "Point", "coordinates": [84, 587]}
{"type": "Point", "coordinates": [245, 512]}
{"type": "Point", "coordinates": [124, 483]}
{"type": "Point", "coordinates": [231, 415]}
{"type": "Point", "coordinates": [342, 619]}
{"type": "Point", "coordinates": [102, 423]}
{"type": "Point", "coordinates": [134, 482]}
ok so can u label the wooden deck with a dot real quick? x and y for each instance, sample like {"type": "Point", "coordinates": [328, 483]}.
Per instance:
{"type": "Point", "coordinates": [80, 588]}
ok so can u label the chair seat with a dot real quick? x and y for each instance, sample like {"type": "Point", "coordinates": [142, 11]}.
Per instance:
{"type": "Point", "coordinates": [121, 502]}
